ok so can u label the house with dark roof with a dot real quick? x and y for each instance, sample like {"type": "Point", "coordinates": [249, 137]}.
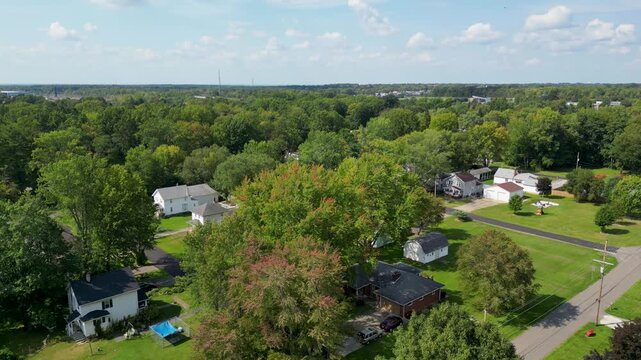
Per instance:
{"type": "Point", "coordinates": [426, 248]}
{"type": "Point", "coordinates": [211, 211]}
{"type": "Point", "coordinates": [482, 174]}
{"type": "Point", "coordinates": [182, 198]}
{"type": "Point", "coordinates": [398, 288]}
{"type": "Point", "coordinates": [102, 300]}
{"type": "Point", "coordinates": [462, 184]}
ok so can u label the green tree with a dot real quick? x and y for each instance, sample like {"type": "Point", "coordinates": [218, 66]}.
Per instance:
{"type": "Point", "coordinates": [585, 186]}
{"type": "Point", "coordinates": [496, 274]}
{"type": "Point", "coordinates": [323, 148]}
{"type": "Point", "coordinates": [392, 124]}
{"type": "Point", "coordinates": [626, 148]}
{"type": "Point", "coordinates": [515, 204]}
{"type": "Point", "coordinates": [449, 332]}
{"type": "Point", "coordinates": [200, 165]}
{"type": "Point", "coordinates": [35, 264]}
{"type": "Point", "coordinates": [626, 344]}
{"type": "Point", "coordinates": [490, 140]}
{"type": "Point", "coordinates": [236, 168]}
{"type": "Point", "coordinates": [233, 132]}
{"type": "Point", "coordinates": [54, 146]}
{"type": "Point", "coordinates": [444, 121]}
{"type": "Point", "coordinates": [626, 196]}
{"type": "Point", "coordinates": [605, 216]}
{"type": "Point", "coordinates": [544, 186]}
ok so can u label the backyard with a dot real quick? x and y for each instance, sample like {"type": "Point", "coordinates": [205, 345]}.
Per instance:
{"type": "Point", "coordinates": [569, 218]}
{"type": "Point", "coordinates": [173, 244]}
{"type": "Point", "coordinates": [143, 347]}
{"type": "Point", "coordinates": [174, 223]}
{"type": "Point", "coordinates": [563, 270]}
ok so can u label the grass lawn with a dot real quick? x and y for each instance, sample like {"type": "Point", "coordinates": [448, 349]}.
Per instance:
{"type": "Point", "coordinates": [174, 223]}
{"type": "Point", "coordinates": [578, 345]}
{"type": "Point", "coordinates": [382, 346]}
{"type": "Point", "coordinates": [569, 218]}
{"type": "Point", "coordinates": [154, 275]}
{"type": "Point", "coordinates": [173, 244]}
{"type": "Point", "coordinates": [563, 270]}
{"type": "Point", "coordinates": [629, 305]}
{"type": "Point", "coordinates": [144, 347]}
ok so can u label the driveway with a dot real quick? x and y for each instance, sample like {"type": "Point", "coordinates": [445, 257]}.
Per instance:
{"type": "Point", "coordinates": [478, 204]}
{"type": "Point", "coordinates": [373, 319]}
{"type": "Point", "coordinates": [164, 261]}
{"type": "Point", "coordinates": [559, 325]}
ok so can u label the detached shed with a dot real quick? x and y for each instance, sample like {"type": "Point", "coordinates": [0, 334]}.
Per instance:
{"type": "Point", "coordinates": [426, 248]}
{"type": "Point", "coordinates": [503, 192]}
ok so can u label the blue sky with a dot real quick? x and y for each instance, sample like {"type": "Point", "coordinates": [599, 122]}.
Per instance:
{"type": "Point", "coordinates": [319, 41]}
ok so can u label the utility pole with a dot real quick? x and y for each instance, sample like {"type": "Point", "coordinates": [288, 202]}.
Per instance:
{"type": "Point", "coordinates": [603, 264]}
{"type": "Point", "coordinates": [577, 160]}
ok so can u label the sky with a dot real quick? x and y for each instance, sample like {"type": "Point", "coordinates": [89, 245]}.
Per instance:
{"type": "Point", "coordinates": [280, 42]}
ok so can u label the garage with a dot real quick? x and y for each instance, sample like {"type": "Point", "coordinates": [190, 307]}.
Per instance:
{"type": "Point", "coordinates": [503, 192]}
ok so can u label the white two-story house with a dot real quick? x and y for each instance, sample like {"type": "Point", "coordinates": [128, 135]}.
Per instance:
{"type": "Point", "coordinates": [462, 184]}
{"type": "Point", "coordinates": [183, 198]}
{"type": "Point", "coordinates": [102, 300]}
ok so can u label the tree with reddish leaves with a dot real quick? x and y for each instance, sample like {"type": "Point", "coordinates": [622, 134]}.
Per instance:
{"type": "Point", "coordinates": [281, 301]}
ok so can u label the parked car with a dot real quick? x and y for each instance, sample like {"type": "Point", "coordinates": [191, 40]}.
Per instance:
{"type": "Point", "coordinates": [390, 323]}
{"type": "Point", "coordinates": [368, 334]}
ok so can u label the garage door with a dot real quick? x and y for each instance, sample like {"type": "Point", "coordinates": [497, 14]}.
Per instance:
{"type": "Point", "coordinates": [490, 194]}
{"type": "Point", "coordinates": [504, 196]}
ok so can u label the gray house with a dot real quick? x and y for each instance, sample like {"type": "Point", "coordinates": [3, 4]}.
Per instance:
{"type": "Point", "coordinates": [462, 184]}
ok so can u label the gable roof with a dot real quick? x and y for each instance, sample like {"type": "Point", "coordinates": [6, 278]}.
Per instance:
{"type": "Point", "coordinates": [526, 179]}
{"type": "Point", "coordinates": [480, 171]}
{"type": "Point", "coordinates": [431, 241]}
{"type": "Point", "coordinates": [505, 173]}
{"type": "Point", "coordinates": [509, 187]}
{"type": "Point", "coordinates": [399, 282]}
{"type": "Point", "coordinates": [104, 286]}
{"type": "Point", "coordinates": [465, 176]}
{"type": "Point", "coordinates": [178, 191]}
{"type": "Point", "coordinates": [209, 209]}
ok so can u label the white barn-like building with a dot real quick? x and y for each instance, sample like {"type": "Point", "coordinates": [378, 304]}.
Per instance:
{"type": "Point", "coordinates": [426, 248]}
{"type": "Point", "coordinates": [102, 300]}
{"type": "Point", "coordinates": [503, 192]}
{"type": "Point", "coordinates": [182, 198]}
{"type": "Point", "coordinates": [212, 212]}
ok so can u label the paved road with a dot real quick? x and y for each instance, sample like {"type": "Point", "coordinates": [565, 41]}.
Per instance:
{"type": "Point", "coordinates": [541, 339]}
{"type": "Point", "coordinates": [535, 232]}
{"type": "Point", "coordinates": [164, 261]}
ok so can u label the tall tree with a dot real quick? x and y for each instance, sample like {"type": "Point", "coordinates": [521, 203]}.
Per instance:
{"type": "Point", "coordinates": [497, 275]}
{"type": "Point", "coordinates": [323, 148]}
{"type": "Point", "coordinates": [544, 186]}
{"type": "Point", "coordinates": [200, 165]}
{"type": "Point", "coordinates": [449, 332]}
{"type": "Point", "coordinates": [626, 196]}
{"type": "Point", "coordinates": [236, 168]}
{"type": "Point", "coordinates": [490, 139]}
{"type": "Point", "coordinates": [35, 264]}
{"type": "Point", "coordinates": [626, 148]}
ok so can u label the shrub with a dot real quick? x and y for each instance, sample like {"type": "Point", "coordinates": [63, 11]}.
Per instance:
{"type": "Point", "coordinates": [461, 215]}
{"type": "Point", "coordinates": [6, 354]}
{"type": "Point", "coordinates": [606, 216]}
{"type": "Point", "coordinates": [515, 204]}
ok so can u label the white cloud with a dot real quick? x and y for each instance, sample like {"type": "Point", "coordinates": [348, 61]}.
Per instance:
{"type": "Point", "coordinates": [424, 57]}
{"type": "Point", "coordinates": [144, 54]}
{"type": "Point", "coordinates": [371, 19]}
{"type": "Point", "coordinates": [532, 62]}
{"type": "Point", "coordinates": [116, 4]}
{"type": "Point", "coordinates": [293, 33]}
{"type": "Point", "coordinates": [621, 50]}
{"type": "Point", "coordinates": [624, 34]}
{"type": "Point", "coordinates": [89, 27]}
{"type": "Point", "coordinates": [302, 45]}
{"type": "Point", "coordinates": [598, 30]}
{"type": "Point", "coordinates": [58, 32]}
{"type": "Point", "coordinates": [332, 36]}
{"type": "Point", "coordinates": [419, 40]}
{"type": "Point", "coordinates": [272, 48]}
{"type": "Point", "coordinates": [307, 3]}
{"type": "Point", "coordinates": [505, 50]}
{"type": "Point", "coordinates": [477, 33]}
{"type": "Point", "coordinates": [555, 18]}
{"type": "Point", "coordinates": [235, 30]}
{"type": "Point", "coordinates": [207, 40]}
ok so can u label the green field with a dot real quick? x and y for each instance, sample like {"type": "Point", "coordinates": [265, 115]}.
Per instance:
{"type": "Point", "coordinates": [569, 218]}
{"type": "Point", "coordinates": [629, 305]}
{"type": "Point", "coordinates": [174, 223]}
{"type": "Point", "coordinates": [579, 345]}
{"type": "Point", "coordinates": [173, 244]}
{"type": "Point", "coordinates": [144, 347]}
{"type": "Point", "coordinates": [563, 270]}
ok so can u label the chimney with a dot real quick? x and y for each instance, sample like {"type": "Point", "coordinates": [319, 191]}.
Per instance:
{"type": "Point", "coordinates": [88, 277]}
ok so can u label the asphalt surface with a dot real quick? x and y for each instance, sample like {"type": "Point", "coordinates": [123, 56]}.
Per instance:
{"type": "Point", "coordinates": [549, 333]}
{"type": "Point", "coordinates": [165, 261]}
{"type": "Point", "coordinates": [535, 232]}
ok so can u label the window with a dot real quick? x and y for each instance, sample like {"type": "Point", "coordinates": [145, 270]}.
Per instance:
{"type": "Point", "coordinates": [104, 319]}
{"type": "Point", "coordinates": [170, 201]}
{"type": "Point", "coordinates": [106, 304]}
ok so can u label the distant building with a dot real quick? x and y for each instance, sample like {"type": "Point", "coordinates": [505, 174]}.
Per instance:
{"type": "Point", "coordinates": [480, 99]}
{"type": "Point", "coordinates": [572, 103]}
{"type": "Point", "coordinates": [13, 93]}
{"type": "Point", "coordinates": [182, 198]}
{"type": "Point", "coordinates": [615, 103]}
{"type": "Point", "coordinates": [426, 248]}
{"type": "Point", "coordinates": [211, 211]}
{"type": "Point", "coordinates": [597, 104]}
